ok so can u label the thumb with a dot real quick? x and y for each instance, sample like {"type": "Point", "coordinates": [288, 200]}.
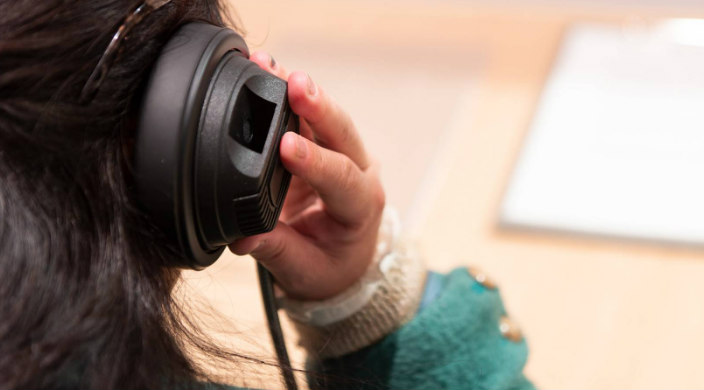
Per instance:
{"type": "Point", "coordinates": [297, 265]}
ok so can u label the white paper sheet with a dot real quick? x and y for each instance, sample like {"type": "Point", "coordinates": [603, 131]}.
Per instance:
{"type": "Point", "coordinates": [617, 144]}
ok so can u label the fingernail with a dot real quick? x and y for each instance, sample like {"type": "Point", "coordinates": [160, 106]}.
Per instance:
{"type": "Point", "coordinates": [301, 147]}
{"type": "Point", "coordinates": [312, 89]}
{"type": "Point", "coordinates": [272, 62]}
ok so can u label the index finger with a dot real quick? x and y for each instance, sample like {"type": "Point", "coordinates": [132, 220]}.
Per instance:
{"type": "Point", "coordinates": [348, 193]}
{"type": "Point", "coordinates": [331, 125]}
{"type": "Point", "coordinates": [267, 62]}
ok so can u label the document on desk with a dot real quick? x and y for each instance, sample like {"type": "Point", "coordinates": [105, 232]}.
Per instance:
{"type": "Point", "coordinates": [616, 147]}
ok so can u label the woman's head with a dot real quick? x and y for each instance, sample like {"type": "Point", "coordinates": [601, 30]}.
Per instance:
{"type": "Point", "coordinates": [85, 293]}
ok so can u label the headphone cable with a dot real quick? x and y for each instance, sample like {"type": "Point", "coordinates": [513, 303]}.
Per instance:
{"type": "Point", "coordinates": [277, 337]}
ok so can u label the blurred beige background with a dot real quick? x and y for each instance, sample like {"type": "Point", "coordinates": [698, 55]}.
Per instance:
{"type": "Point", "coordinates": [443, 93]}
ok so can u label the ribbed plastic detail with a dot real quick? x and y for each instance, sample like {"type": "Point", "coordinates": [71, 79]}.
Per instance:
{"type": "Point", "coordinates": [255, 213]}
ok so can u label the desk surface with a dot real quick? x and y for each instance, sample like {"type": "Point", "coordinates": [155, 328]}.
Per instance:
{"type": "Point", "coordinates": [597, 313]}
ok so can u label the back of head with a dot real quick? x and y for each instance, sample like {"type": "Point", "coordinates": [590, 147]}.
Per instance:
{"type": "Point", "coordinates": [85, 294]}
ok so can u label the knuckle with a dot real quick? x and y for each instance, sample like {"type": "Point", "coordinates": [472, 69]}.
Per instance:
{"type": "Point", "coordinates": [347, 175]}
{"type": "Point", "coordinates": [378, 197]}
{"type": "Point", "coordinates": [269, 253]}
{"type": "Point", "coordinates": [346, 127]}
{"type": "Point", "coordinates": [276, 251]}
{"type": "Point", "coordinates": [344, 133]}
{"type": "Point", "coordinates": [320, 111]}
{"type": "Point", "coordinates": [316, 159]}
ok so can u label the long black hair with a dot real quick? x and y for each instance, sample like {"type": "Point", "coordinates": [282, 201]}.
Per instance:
{"type": "Point", "coordinates": [85, 287]}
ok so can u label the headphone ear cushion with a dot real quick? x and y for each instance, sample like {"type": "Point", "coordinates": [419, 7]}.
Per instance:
{"type": "Point", "coordinates": [166, 135]}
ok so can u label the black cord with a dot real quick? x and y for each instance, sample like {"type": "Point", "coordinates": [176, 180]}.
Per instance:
{"type": "Point", "coordinates": [266, 282]}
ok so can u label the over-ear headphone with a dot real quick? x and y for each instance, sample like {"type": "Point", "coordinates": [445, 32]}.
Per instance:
{"type": "Point", "coordinates": [206, 155]}
{"type": "Point", "coordinates": [206, 151]}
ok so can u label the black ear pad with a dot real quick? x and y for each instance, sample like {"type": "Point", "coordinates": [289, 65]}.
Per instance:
{"type": "Point", "coordinates": [206, 157]}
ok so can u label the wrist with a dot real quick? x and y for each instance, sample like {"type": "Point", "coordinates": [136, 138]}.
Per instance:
{"type": "Point", "coordinates": [384, 298]}
{"type": "Point", "coordinates": [342, 305]}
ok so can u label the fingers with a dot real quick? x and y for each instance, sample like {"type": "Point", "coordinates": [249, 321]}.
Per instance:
{"type": "Point", "coordinates": [322, 118]}
{"type": "Point", "coordinates": [300, 196]}
{"type": "Point", "coordinates": [330, 125]}
{"type": "Point", "coordinates": [305, 130]}
{"type": "Point", "coordinates": [349, 195]}
{"type": "Point", "coordinates": [268, 63]}
{"type": "Point", "coordinates": [294, 261]}
{"type": "Point", "coordinates": [332, 214]}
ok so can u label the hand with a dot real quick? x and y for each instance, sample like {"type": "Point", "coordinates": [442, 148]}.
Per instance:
{"type": "Point", "coordinates": [327, 233]}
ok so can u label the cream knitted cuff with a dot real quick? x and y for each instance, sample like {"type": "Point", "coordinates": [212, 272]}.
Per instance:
{"type": "Point", "coordinates": [385, 298]}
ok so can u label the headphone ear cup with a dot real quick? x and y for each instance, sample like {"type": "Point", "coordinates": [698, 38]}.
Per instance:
{"type": "Point", "coordinates": [169, 119]}
{"type": "Point", "coordinates": [206, 157]}
{"type": "Point", "coordinates": [240, 183]}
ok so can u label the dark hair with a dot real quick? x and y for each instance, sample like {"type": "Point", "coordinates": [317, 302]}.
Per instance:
{"type": "Point", "coordinates": [85, 287]}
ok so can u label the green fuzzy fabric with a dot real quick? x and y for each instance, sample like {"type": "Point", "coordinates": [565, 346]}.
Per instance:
{"type": "Point", "coordinates": [452, 343]}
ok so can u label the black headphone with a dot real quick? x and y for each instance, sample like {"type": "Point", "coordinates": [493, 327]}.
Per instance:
{"type": "Point", "coordinates": [206, 151]}
{"type": "Point", "coordinates": [206, 156]}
